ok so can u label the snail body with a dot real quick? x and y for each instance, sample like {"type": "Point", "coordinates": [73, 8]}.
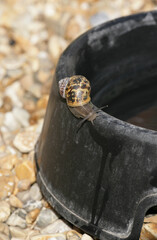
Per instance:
{"type": "Point", "coordinates": [76, 90]}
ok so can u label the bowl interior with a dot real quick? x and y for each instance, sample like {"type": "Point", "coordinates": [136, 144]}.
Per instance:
{"type": "Point", "coordinates": [123, 74]}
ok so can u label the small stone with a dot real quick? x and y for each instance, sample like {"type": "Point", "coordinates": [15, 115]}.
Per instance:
{"type": "Point", "coordinates": [58, 226]}
{"type": "Point", "coordinates": [25, 141]}
{"type": "Point", "coordinates": [35, 193]}
{"type": "Point", "coordinates": [31, 216]}
{"type": "Point", "coordinates": [137, 5]}
{"type": "Point", "coordinates": [7, 182]}
{"type": "Point", "coordinates": [4, 49]}
{"type": "Point", "coordinates": [73, 235]}
{"type": "Point", "coordinates": [14, 91]}
{"type": "Point", "coordinates": [98, 18]}
{"type": "Point", "coordinates": [13, 62]}
{"type": "Point", "coordinates": [10, 122]}
{"type": "Point", "coordinates": [6, 105]}
{"type": "Point", "coordinates": [27, 81]}
{"type": "Point", "coordinates": [23, 184]}
{"type": "Point", "coordinates": [4, 228]}
{"type": "Point", "coordinates": [25, 170]}
{"type": "Point", "coordinates": [2, 117]}
{"type": "Point", "coordinates": [21, 116]}
{"type": "Point", "coordinates": [24, 196]}
{"type": "Point", "coordinates": [43, 76]}
{"type": "Point", "coordinates": [76, 26]}
{"type": "Point", "coordinates": [3, 237]}
{"type": "Point", "coordinates": [86, 237]}
{"type": "Point", "coordinates": [8, 161]}
{"type": "Point", "coordinates": [37, 115]}
{"type": "Point", "coordinates": [35, 90]}
{"type": "Point", "coordinates": [46, 204]}
{"type": "Point", "coordinates": [49, 237]}
{"type": "Point", "coordinates": [46, 217]}
{"type": "Point", "coordinates": [32, 232]}
{"type": "Point", "coordinates": [30, 205]}
{"type": "Point", "coordinates": [14, 74]}
{"type": "Point", "coordinates": [56, 46]}
{"type": "Point", "coordinates": [17, 218]}
{"type": "Point", "coordinates": [34, 63]}
{"type": "Point", "coordinates": [15, 191]}
{"type": "Point", "coordinates": [2, 73]}
{"type": "Point", "coordinates": [18, 232]}
{"type": "Point", "coordinates": [150, 219]}
{"type": "Point", "coordinates": [50, 10]}
{"type": "Point", "coordinates": [42, 102]}
{"type": "Point", "coordinates": [7, 138]}
{"type": "Point", "coordinates": [29, 105]}
{"type": "Point", "coordinates": [148, 231]}
{"type": "Point", "coordinates": [4, 211]}
{"type": "Point", "coordinates": [15, 202]}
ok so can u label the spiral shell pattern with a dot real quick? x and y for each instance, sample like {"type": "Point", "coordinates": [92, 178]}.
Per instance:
{"type": "Point", "coordinates": [77, 92]}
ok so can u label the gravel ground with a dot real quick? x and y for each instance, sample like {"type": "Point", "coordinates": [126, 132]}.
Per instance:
{"type": "Point", "coordinates": [33, 34]}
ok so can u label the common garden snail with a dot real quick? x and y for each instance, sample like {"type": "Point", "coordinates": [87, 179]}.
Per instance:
{"type": "Point", "coordinates": [76, 90]}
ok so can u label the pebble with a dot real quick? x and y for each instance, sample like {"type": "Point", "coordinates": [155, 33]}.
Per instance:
{"type": "Point", "coordinates": [137, 5]}
{"type": "Point", "coordinates": [73, 235]}
{"type": "Point", "coordinates": [24, 196]}
{"type": "Point", "coordinates": [6, 106]}
{"type": "Point", "coordinates": [4, 229]}
{"type": "Point", "coordinates": [149, 231]}
{"type": "Point", "coordinates": [2, 72]}
{"type": "Point", "coordinates": [29, 105]}
{"type": "Point", "coordinates": [23, 184]}
{"type": "Point", "coordinates": [14, 74]}
{"type": "Point", "coordinates": [56, 46]}
{"type": "Point", "coordinates": [34, 64]}
{"type": "Point", "coordinates": [17, 218]}
{"type": "Point", "coordinates": [31, 205]}
{"type": "Point", "coordinates": [75, 27]}
{"type": "Point", "coordinates": [35, 90]}
{"type": "Point", "coordinates": [7, 182]}
{"type": "Point", "coordinates": [58, 226]}
{"type": "Point", "coordinates": [25, 141]}
{"type": "Point", "coordinates": [3, 237]}
{"type": "Point", "coordinates": [13, 62]}
{"type": "Point", "coordinates": [42, 102]}
{"type": "Point", "coordinates": [10, 122]}
{"type": "Point", "coordinates": [43, 76]}
{"type": "Point", "coordinates": [8, 161]}
{"type": "Point", "coordinates": [31, 216]}
{"type": "Point", "coordinates": [46, 217]}
{"type": "Point", "coordinates": [25, 170]}
{"type": "Point", "coordinates": [35, 193]}
{"type": "Point", "coordinates": [14, 91]}
{"type": "Point", "coordinates": [98, 18]}
{"type": "Point", "coordinates": [4, 211]}
{"type": "Point", "coordinates": [21, 116]}
{"type": "Point", "coordinates": [86, 237]}
{"type": "Point", "coordinates": [15, 202]}
{"type": "Point", "coordinates": [27, 81]}
{"type": "Point", "coordinates": [18, 232]}
{"type": "Point", "coordinates": [49, 237]}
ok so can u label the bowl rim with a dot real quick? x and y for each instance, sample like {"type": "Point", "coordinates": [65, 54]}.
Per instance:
{"type": "Point", "coordinates": [105, 120]}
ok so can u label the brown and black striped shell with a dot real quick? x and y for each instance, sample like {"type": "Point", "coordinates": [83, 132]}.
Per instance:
{"type": "Point", "coordinates": [77, 91]}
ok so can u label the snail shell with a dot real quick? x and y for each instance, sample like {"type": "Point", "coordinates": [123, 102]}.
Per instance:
{"type": "Point", "coordinates": [76, 90]}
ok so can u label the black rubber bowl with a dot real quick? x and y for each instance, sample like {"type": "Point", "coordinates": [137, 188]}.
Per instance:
{"type": "Point", "coordinates": [103, 179]}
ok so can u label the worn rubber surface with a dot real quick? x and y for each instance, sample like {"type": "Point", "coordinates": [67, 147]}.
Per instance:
{"type": "Point", "coordinates": [103, 179]}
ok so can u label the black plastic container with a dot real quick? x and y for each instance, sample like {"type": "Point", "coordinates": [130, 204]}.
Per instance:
{"type": "Point", "coordinates": [103, 179]}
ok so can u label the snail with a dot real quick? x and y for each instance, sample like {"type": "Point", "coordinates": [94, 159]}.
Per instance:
{"type": "Point", "coordinates": [76, 90]}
